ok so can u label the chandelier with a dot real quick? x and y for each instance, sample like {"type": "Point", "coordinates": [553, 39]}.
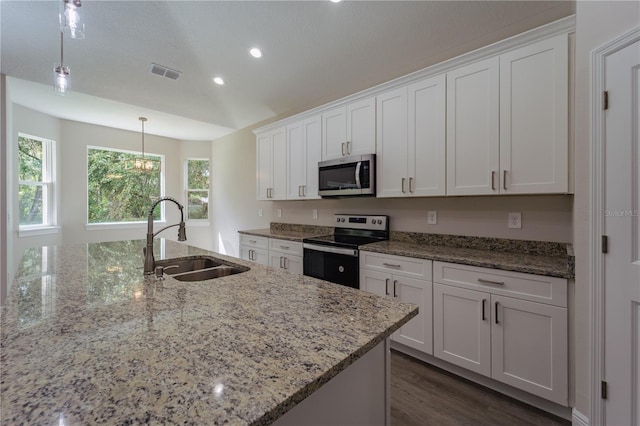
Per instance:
{"type": "Point", "coordinates": [142, 164]}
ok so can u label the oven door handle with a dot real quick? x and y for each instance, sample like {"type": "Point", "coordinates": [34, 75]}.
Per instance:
{"type": "Point", "coordinates": [328, 249]}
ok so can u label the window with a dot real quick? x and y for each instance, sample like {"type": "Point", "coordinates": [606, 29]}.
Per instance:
{"type": "Point", "coordinates": [116, 192]}
{"type": "Point", "coordinates": [35, 182]}
{"type": "Point", "coordinates": [197, 189]}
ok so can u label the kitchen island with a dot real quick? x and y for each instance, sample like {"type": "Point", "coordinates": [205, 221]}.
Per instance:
{"type": "Point", "coordinates": [87, 340]}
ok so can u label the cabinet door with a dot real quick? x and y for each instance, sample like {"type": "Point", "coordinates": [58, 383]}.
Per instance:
{"type": "Point", "coordinates": [473, 129]}
{"type": "Point", "coordinates": [361, 127]}
{"type": "Point", "coordinates": [293, 264]}
{"type": "Point", "coordinates": [279, 167]}
{"type": "Point", "coordinates": [529, 347]}
{"type": "Point", "coordinates": [426, 137]}
{"type": "Point", "coordinates": [296, 162]}
{"type": "Point", "coordinates": [263, 163]}
{"type": "Point", "coordinates": [534, 118]}
{"type": "Point", "coordinates": [334, 133]}
{"type": "Point", "coordinates": [391, 148]}
{"type": "Point", "coordinates": [462, 328]}
{"type": "Point", "coordinates": [245, 253]}
{"type": "Point", "coordinates": [312, 141]}
{"type": "Point", "coordinates": [256, 255]}
{"type": "Point", "coordinates": [375, 282]}
{"type": "Point", "coordinates": [418, 332]}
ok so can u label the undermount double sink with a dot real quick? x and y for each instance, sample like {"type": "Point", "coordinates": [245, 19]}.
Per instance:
{"type": "Point", "coordinates": [199, 268]}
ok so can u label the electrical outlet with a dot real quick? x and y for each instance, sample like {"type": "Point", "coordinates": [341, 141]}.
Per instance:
{"type": "Point", "coordinates": [260, 212]}
{"type": "Point", "coordinates": [515, 220]}
{"type": "Point", "coordinates": [279, 212]}
{"type": "Point", "coordinates": [432, 217]}
{"type": "Point", "coordinates": [315, 213]}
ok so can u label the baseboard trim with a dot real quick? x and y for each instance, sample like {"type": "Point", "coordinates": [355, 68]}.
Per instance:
{"type": "Point", "coordinates": [527, 398]}
{"type": "Point", "coordinates": [579, 419]}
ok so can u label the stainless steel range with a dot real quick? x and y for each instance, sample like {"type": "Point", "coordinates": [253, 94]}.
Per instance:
{"type": "Point", "coordinates": [335, 257]}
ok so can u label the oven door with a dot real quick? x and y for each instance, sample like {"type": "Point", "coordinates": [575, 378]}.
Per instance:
{"type": "Point", "coordinates": [335, 264]}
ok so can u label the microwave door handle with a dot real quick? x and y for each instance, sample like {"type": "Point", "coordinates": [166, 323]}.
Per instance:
{"type": "Point", "coordinates": [358, 164]}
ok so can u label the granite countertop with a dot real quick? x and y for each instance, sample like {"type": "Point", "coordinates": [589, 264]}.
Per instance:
{"type": "Point", "coordinates": [288, 231]}
{"type": "Point", "coordinates": [86, 340]}
{"type": "Point", "coordinates": [518, 261]}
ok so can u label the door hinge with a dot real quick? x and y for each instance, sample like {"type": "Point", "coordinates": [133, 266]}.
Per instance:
{"type": "Point", "coordinates": [605, 99]}
{"type": "Point", "coordinates": [603, 389]}
{"type": "Point", "coordinates": [605, 244]}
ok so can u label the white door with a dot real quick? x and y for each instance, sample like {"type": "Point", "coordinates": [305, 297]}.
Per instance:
{"type": "Point", "coordinates": [534, 92]}
{"type": "Point", "coordinates": [279, 166]}
{"type": "Point", "coordinates": [375, 282]}
{"type": "Point", "coordinates": [473, 129]}
{"type": "Point", "coordinates": [361, 127]}
{"type": "Point", "coordinates": [622, 226]}
{"type": "Point", "coordinates": [312, 142]}
{"type": "Point", "coordinates": [418, 332]}
{"type": "Point", "coordinates": [426, 137]}
{"type": "Point", "coordinates": [529, 347]}
{"type": "Point", "coordinates": [263, 160]}
{"type": "Point", "coordinates": [462, 327]}
{"type": "Point", "coordinates": [391, 148]}
{"type": "Point", "coordinates": [296, 161]}
{"type": "Point", "coordinates": [334, 133]}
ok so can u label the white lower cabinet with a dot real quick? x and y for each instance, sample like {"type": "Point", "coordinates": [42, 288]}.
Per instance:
{"type": "Point", "coordinates": [489, 322]}
{"type": "Point", "coordinates": [408, 280]}
{"type": "Point", "coordinates": [286, 255]}
{"type": "Point", "coordinates": [254, 249]}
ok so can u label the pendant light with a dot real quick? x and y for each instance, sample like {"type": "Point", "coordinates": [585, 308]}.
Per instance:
{"type": "Point", "coordinates": [71, 20]}
{"type": "Point", "coordinates": [61, 72]}
{"type": "Point", "coordinates": [142, 164]}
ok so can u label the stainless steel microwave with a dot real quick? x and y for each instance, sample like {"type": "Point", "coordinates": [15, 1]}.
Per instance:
{"type": "Point", "coordinates": [347, 176]}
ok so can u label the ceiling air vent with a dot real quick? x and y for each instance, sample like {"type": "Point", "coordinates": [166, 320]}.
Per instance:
{"type": "Point", "coordinates": [165, 72]}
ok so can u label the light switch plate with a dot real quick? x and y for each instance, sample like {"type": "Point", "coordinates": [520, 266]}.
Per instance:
{"type": "Point", "coordinates": [279, 212]}
{"type": "Point", "coordinates": [315, 213]}
{"type": "Point", "coordinates": [515, 220]}
{"type": "Point", "coordinates": [432, 217]}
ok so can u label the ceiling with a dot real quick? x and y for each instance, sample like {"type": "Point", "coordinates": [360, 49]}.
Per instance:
{"type": "Point", "coordinates": [313, 52]}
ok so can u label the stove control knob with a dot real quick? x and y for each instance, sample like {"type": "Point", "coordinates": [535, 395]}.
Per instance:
{"type": "Point", "coordinates": [337, 219]}
{"type": "Point", "coordinates": [342, 220]}
{"type": "Point", "coordinates": [373, 221]}
{"type": "Point", "coordinates": [379, 221]}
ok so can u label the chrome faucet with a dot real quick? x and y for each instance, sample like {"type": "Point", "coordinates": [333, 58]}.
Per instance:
{"type": "Point", "coordinates": [149, 260]}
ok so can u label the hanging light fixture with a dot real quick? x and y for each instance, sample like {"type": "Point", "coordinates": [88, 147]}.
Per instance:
{"type": "Point", "coordinates": [61, 72]}
{"type": "Point", "coordinates": [143, 164]}
{"type": "Point", "coordinates": [71, 20]}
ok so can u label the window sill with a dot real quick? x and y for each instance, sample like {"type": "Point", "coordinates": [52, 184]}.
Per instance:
{"type": "Point", "coordinates": [36, 231]}
{"type": "Point", "coordinates": [128, 225]}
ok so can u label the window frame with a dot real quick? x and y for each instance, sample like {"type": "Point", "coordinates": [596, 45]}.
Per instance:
{"type": "Point", "coordinates": [48, 184]}
{"type": "Point", "coordinates": [128, 224]}
{"type": "Point", "coordinates": [187, 190]}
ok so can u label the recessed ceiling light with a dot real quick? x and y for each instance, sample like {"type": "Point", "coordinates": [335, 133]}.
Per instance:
{"type": "Point", "coordinates": [218, 80]}
{"type": "Point", "coordinates": [255, 52]}
{"type": "Point", "coordinates": [336, 1]}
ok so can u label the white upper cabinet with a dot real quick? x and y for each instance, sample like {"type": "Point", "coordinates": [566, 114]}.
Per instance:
{"type": "Point", "coordinates": [411, 140]}
{"type": "Point", "coordinates": [507, 122]}
{"type": "Point", "coordinates": [473, 129]}
{"type": "Point", "coordinates": [303, 155]}
{"type": "Point", "coordinates": [534, 133]}
{"type": "Point", "coordinates": [349, 130]}
{"type": "Point", "coordinates": [271, 158]}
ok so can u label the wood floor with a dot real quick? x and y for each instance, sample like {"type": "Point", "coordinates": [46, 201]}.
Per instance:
{"type": "Point", "coordinates": [423, 395]}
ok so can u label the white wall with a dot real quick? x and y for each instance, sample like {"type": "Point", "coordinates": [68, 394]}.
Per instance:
{"type": "Point", "coordinates": [4, 270]}
{"type": "Point", "coordinates": [597, 23]}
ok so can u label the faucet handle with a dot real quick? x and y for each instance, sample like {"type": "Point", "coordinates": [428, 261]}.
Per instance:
{"type": "Point", "coordinates": [159, 273]}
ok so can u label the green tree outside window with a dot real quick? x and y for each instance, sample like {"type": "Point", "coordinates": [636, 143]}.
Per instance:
{"type": "Point", "coordinates": [197, 189]}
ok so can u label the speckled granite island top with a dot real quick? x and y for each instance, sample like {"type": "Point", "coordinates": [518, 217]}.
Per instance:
{"type": "Point", "coordinates": [534, 257]}
{"type": "Point", "coordinates": [85, 340]}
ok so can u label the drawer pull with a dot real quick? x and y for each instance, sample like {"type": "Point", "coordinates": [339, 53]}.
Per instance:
{"type": "Point", "coordinates": [386, 286]}
{"type": "Point", "coordinates": [391, 265]}
{"type": "Point", "coordinates": [483, 281]}
{"type": "Point", "coordinates": [252, 241]}
{"type": "Point", "coordinates": [284, 247]}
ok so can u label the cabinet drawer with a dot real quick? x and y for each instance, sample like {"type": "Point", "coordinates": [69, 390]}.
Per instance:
{"type": "Point", "coordinates": [398, 265]}
{"type": "Point", "coordinates": [285, 246]}
{"type": "Point", "coordinates": [536, 288]}
{"type": "Point", "coordinates": [253, 241]}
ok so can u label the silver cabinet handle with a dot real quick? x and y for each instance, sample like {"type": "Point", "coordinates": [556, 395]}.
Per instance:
{"type": "Point", "coordinates": [483, 281]}
{"type": "Point", "coordinates": [391, 265]}
{"type": "Point", "coordinates": [411, 184]}
{"type": "Point", "coordinates": [284, 247]}
{"type": "Point", "coordinates": [504, 179]}
{"type": "Point", "coordinates": [402, 185]}
{"type": "Point", "coordinates": [284, 262]}
{"type": "Point", "coordinates": [395, 283]}
{"type": "Point", "coordinates": [304, 190]}
{"type": "Point", "coordinates": [252, 241]}
{"type": "Point", "coordinates": [484, 315]}
{"type": "Point", "coordinates": [281, 262]}
{"type": "Point", "coordinates": [386, 286]}
{"type": "Point", "coordinates": [343, 148]}
{"type": "Point", "coordinates": [493, 180]}
{"type": "Point", "coordinates": [497, 322]}
{"type": "Point", "coordinates": [348, 148]}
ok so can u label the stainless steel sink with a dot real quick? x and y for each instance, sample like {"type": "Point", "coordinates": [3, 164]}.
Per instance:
{"type": "Point", "coordinates": [199, 268]}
